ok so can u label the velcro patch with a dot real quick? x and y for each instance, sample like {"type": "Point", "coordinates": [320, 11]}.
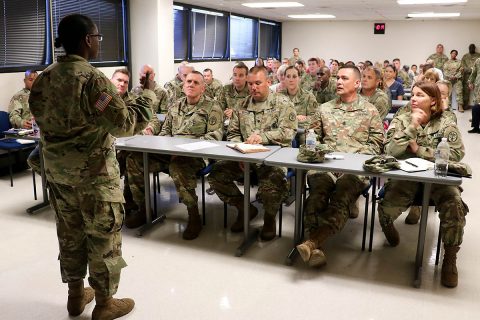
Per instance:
{"type": "Point", "coordinates": [103, 101]}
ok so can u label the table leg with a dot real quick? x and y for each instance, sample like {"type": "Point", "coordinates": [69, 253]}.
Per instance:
{"type": "Point", "coordinates": [45, 201]}
{"type": "Point", "coordinates": [249, 237]}
{"type": "Point", "coordinates": [372, 221]}
{"type": "Point", "coordinates": [417, 282]}
{"type": "Point", "coordinates": [150, 223]}
{"type": "Point", "coordinates": [297, 237]}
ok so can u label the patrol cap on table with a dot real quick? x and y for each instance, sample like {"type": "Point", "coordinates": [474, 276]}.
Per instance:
{"type": "Point", "coordinates": [381, 163]}
{"type": "Point", "coordinates": [313, 156]}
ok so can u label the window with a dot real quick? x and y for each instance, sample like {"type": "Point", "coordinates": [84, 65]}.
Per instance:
{"type": "Point", "coordinates": [269, 40]}
{"type": "Point", "coordinates": [108, 15]}
{"type": "Point", "coordinates": [180, 33]}
{"type": "Point", "coordinates": [243, 37]}
{"type": "Point", "coordinates": [209, 31]}
{"type": "Point", "coordinates": [22, 34]}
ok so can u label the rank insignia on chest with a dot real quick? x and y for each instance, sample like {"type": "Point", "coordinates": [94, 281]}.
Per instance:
{"type": "Point", "coordinates": [103, 101]}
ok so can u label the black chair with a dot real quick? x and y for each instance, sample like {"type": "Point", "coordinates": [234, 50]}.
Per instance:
{"type": "Point", "coordinates": [8, 144]}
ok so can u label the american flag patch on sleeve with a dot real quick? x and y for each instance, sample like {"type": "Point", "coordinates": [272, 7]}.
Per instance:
{"type": "Point", "coordinates": [103, 101]}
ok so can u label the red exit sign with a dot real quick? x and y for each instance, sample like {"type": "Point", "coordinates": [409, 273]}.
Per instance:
{"type": "Point", "coordinates": [379, 28]}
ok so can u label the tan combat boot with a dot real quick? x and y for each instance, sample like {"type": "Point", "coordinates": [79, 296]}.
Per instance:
{"type": "Point", "coordinates": [460, 108]}
{"type": "Point", "coordinates": [269, 230]}
{"type": "Point", "coordinates": [310, 250]}
{"type": "Point", "coordinates": [194, 225]}
{"type": "Point", "coordinates": [78, 297]}
{"type": "Point", "coordinates": [237, 226]}
{"type": "Point", "coordinates": [390, 233]}
{"type": "Point", "coordinates": [449, 267]}
{"type": "Point", "coordinates": [413, 215]}
{"type": "Point", "coordinates": [108, 308]}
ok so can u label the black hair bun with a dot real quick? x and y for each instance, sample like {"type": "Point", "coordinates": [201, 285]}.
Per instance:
{"type": "Point", "coordinates": [58, 43]}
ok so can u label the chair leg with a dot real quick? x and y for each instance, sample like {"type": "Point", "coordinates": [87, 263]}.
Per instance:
{"type": "Point", "coordinates": [156, 181]}
{"type": "Point", "coordinates": [365, 220]}
{"type": "Point", "coordinates": [34, 186]}
{"type": "Point", "coordinates": [203, 199]}
{"type": "Point", "coordinates": [439, 245]}
{"type": "Point", "coordinates": [225, 215]}
{"type": "Point", "coordinates": [372, 219]}
{"type": "Point", "coordinates": [280, 216]}
{"type": "Point", "coordinates": [10, 170]}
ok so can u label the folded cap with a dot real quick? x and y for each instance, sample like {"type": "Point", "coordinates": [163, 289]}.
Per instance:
{"type": "Point", "coordinates": [381, 163]}
{"type": "Point", "coordinates": [460, 168]}
{"type": "Point", "coordinates": [313, 156]}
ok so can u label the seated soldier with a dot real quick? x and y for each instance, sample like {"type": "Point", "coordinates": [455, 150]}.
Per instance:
{"type": "Point", "coordinates": [162, 103]}
{"type": "Point", "coordinates": [347, 124]}
{"type": "Point", "coordinates": [264, 117]}
{"type": "Point", "coordinates": [194, 116]}
{"type": "Point", "coordinates": [18, 110]}
{"type": "Point", "coordinates": [213, 87]}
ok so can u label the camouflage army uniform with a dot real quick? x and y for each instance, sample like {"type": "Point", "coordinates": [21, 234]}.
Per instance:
{"type": "Point", "coordinates": [400, 194]}
{"type": "Point", "coordinates": [381, 101]}
{"type": "Point", "coordinates": [438, 60]}
{"type": "Point", "coordinates": [453, 72]}
{"type": "Point", "coordinates": [354, 128]}
{"type": "Point", "coordinates": [407, 83]}
{"type": "Point", "coordinates": [229, 97]}
{"type": "Point", "coordinates": [174, 90]}
{"type": "Point", "coordinates": [18, 108]}
{"type": "Point", "coordinates": [161, 104]}
{"type": "Point", "coordinates": [201, 121]}
{"type": "Point", "coordinates": [276, 122]}
{"type": "Point", "coordinates": [328, 93]}
{"type": "Point", "coordinates": [448, 115]}
{"type": "Point", "coordinates": [79, 120]}
{"type": "Point", "coordinates": [307, 82]}
{"type": "Point", "coordinates": [468, 60]}
{"type": "Point", "coordinates": [292, 60]}
{"type": "Point", "coordinates": [214, 89]}
{"type": "Point", "coordinates": [475, 80]}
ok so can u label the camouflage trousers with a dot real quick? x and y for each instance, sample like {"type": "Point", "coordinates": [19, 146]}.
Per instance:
{"type": "Point", "coordinates": [330, 199]}
{"type": "Point", "coordinates": [457, 87]}
{"type": "Point", "coordinates": [399, 195]}
{"type": "Point", "coordinates": [183, 171]}
{"type": "Point", "coordinates": [272, 184]}
{"type": "Point", "coordinates": [466, 89]}
{"type": "Point", "coordinates": [34, 160]}
{"type": "Point", "coordinates": [88, 232]}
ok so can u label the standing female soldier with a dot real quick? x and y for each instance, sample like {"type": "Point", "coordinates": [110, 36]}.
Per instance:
{"type": "Point", "coordinates": [79, 113]}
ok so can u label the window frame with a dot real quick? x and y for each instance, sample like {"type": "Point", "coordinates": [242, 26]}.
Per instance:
{"type": "Point", "coordinates": [257, 31]}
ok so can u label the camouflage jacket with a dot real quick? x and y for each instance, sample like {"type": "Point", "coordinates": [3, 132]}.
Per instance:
{"type": "Point", "coordinates": [328, 93]}
{"type": "Point", "coordinates": [214, 89]}
{"type": "Point", "coordinates": [174, 90]}
{"type": "Point", "coordinates": [401, 132]}
{"type": "Point", "coordinates": [468, 60]}
{"type": "Point", "coordinates": [475, 80]}
{"type": "Point", "coordinates": [275, 120]}
{"type": "Point", "coordinates": [381, 101]}
{"type": "Point", "coordinates": [307, 82]}
{"type": "Point", "coordinates": [161, 103]}
{"type": "Point", "coordinates": [438, 60]}
{"type": "Point", "coordinates": [349, 127]}
{"type": "Point", "coordinates": [453, 70]}
{"type": "Point", "coordinates": [201, 121]}
{"type": "Point", "coordinates": [407, 83]}
{"type": "Point", "coordinates": [79, 112]}
{"type": "Point", "coordinates": [230, 98]}
{"type": "Point", "coordinates": [130, 97]}
{"type": "Point", "coordinates": [18, 108]}
{"type": "Point", "coordinates": [304, 103]}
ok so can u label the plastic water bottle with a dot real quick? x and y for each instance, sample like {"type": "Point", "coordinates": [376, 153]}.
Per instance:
{"type": "Point", "coordinates": [442, 153]}
{"type": "Point", "coordinates": [311, 140]}
{"type": "Point", "coordinates": [35, 128]}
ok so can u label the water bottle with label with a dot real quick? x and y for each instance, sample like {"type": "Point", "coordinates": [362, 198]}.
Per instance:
{"type": "Point", "coordinates": [311, 140]}
{"type": "Point", "coordinates": [35, 128]}
{"type": "Point", "coordinates": [442, 154]}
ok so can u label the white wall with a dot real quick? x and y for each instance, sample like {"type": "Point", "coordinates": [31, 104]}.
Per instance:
{"type": "Point", "coordinates": [411, 41]}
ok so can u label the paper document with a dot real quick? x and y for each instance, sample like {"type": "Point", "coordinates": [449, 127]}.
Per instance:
{"type": "Point", "coordinates": [197, 145]}
{"type": "Point", "coordinates": [24, 141]}
{"type": "Point", "coordinates": [415, 165]}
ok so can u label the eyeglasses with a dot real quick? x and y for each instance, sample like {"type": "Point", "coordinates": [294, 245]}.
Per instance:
{"type": "Point", "coordinates": [99, 36]}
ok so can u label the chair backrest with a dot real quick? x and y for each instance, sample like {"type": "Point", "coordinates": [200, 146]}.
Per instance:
{"type": "Point", "coordinates": [4, 123]}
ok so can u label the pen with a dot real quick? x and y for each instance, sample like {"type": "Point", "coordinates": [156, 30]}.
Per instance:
{"type": "Point", "coordinates": [412, 164]}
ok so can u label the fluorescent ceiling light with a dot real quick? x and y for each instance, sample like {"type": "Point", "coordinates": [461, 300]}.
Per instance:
{"type": "Point", "coordinates": [212, 13]}
{"type": "Point", "coordinates": [311, 16]}
{"type": "Point", "coordinates": [430, 1]}
{"type": "Point", "coordinates": [272, 4]}
{"type": "Point", "coordinates": [177, 7]}
{"type": "Point", "coordinates": [433, 15]}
